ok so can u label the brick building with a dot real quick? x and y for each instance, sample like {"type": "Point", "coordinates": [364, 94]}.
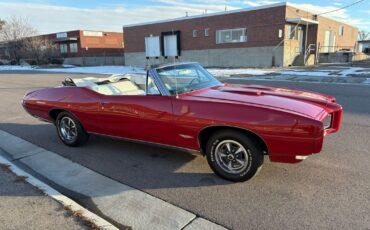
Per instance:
{"type": "Point", "coordinates": [273, 35]}
{"type": "Point", "coordinates": [84, 47]}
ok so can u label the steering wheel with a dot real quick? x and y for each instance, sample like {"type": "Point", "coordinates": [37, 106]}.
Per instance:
{"type": "Point", "coordinates": [68, 82]}
{"type": "Point", "coordinates": [192, 81]}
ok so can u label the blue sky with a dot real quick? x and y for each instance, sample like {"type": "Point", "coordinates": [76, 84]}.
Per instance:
{"type": "Point", "coordinates": [53, 16]}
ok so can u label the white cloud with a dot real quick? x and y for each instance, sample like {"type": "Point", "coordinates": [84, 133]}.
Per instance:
{"type": "Point", "coordinates": [341, 15]}
{"type": "Point", "coordinates": [259, 3]}
{"type": "Point", "coordinates": [51, 18]}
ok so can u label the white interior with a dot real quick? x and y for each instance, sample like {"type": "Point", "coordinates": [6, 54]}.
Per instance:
{"type": "Point", "coordinates": [128, 84]}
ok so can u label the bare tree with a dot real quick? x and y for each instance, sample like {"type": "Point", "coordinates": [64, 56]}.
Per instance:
{"type": "Point", "coordinates": [17, 28]}
{"type": "Point", "coordinates": [38, 50]}
{"type": "Point", "coordinates": [13, 33]}
{"type": "Point", "coordinates": [363, 35]}
{"type": "Point", "coordinates": [2, 23]}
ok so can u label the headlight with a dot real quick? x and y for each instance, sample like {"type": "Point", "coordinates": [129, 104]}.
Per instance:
{"type": "Point", "coordinates": [327, 121]}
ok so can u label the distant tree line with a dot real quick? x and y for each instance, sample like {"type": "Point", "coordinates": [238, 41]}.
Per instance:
{"type": "Point", "coordinates": [20, 41]}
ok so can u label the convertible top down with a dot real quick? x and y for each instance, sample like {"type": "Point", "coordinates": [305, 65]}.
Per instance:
{"type": "Point", "coordinates": [184, 106]}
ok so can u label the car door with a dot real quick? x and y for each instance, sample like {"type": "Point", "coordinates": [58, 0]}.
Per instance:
{"type": "Point", "coordinates": [140, 117]}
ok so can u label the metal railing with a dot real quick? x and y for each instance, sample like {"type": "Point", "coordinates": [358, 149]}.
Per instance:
{"type": "Point", "coordinates": [310, 48]}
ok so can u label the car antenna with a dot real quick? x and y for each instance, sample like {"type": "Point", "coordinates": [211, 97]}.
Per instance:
{"type": "Point", "coordinates": [174, 62]}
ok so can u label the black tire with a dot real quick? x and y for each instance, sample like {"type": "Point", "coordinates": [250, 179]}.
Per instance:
{"type": "Point", "coordinates": [80, 137]}
{"type": "Point", "coordinates": [219, 155]}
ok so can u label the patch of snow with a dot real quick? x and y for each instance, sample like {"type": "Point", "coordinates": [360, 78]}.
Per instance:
{"type": "Point", "coordinates": [351, 71]}
{"type": "Point", "coordinates": [306, 73]}
{"type": "Point", "coordinates": [15, 68]}
{"type": "Point", "coordinates": [242, 71]}
{"type": "Point", "coordinates": [97, 70]}
{"type": "Point", "coordinates": [218, 72]}
{"type": "Point", "coordinates": [69, 66]}
{"type": "Point", "coordinates": [367, 81]}
{"type": "Point", "coordinates": [343, 72]}
{"type": "Point", "coordinates": [74, 69]}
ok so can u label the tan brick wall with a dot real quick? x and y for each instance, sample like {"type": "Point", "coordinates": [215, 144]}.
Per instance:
{"type": "Point", "coordinates": [108, 40]}
{"type": "Point", "coordinates": [350, 32]}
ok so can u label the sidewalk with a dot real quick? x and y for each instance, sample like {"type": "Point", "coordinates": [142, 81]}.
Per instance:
{"type": "Point", "coordinates": [118, 203]}
{"type": "Point", "coordinates": [23, 206]}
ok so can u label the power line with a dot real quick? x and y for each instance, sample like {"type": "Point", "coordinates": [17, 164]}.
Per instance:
{"type": "Point", "coordinates": [344, 7]}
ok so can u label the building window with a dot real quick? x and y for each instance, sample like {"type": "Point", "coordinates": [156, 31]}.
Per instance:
{"type": "Point", "coordinates": [62, 35]}
{"type": "Point", "coordinates": [292, 32]}
{"type": "Point", "coordinates": [63, 48]}
{"type": "Point", "coordinates": [206, 32]}
{"type": "Point", "coordinates": [231, 35]}
{"type": "Point", "coordinates": [195, 33]}
{"type": "Point", "coordinates": [73, 47]}
{"type": "Point", "coordinates": [341, 30]}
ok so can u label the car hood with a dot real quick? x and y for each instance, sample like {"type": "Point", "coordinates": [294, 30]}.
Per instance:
{"type": "Point", "coordinates": [298, 101]}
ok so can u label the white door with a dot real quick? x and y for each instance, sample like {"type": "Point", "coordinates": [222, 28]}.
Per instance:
{"type": "Point", "coordinates": [170, 46]}
{"type": "Point", "coordinates": [332, 45]}
{"type": "Point", "coordinates": [327, 41]}
{"type": "Point", "coordinates": [300, 39]}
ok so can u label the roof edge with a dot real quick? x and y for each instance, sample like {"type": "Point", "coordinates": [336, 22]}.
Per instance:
{"type": "Point", "coordinates": [327, 17]}
{"type": "Point", "coordinates": [232, 12]}
{"type": "Point", "coordinates": [208, 15]}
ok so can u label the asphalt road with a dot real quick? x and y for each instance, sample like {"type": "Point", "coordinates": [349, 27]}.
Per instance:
{"type": "Point", "coordinates": [22, 206]}
{"type": "Point", "coordinates": [330, 190]}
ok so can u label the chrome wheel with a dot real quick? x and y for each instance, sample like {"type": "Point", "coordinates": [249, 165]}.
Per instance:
{"type": "Point", "coordinates": [231, 156]}
{"type": "Point", "coordinates": [68, 129]}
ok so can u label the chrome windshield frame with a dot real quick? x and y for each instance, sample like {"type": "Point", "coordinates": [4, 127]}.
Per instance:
{"type": "Point", "coordinates": [162, 88]}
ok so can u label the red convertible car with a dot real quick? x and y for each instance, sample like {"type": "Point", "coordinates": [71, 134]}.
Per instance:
{"type": "Point", "coordinates": [184, 106]}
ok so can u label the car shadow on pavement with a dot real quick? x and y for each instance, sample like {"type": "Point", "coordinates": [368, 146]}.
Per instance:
{"type": "Point", "coordinates": [141, 166]}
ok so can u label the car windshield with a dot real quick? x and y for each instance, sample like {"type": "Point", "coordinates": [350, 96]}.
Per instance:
{"type": "Point", "coordinates": [185, 78]}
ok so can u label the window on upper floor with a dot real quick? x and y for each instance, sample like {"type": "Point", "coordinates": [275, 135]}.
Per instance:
{"type": "Point", "coordinates": [341, 30]}
{"type": "Point", "coordinates": [231, 35]}
{"type": "Point", "coordinates": [195, 33]}
{"type": "Point", "coordinates": [206, 32]}
{"type": "Point", "coordinates": [292, 32]}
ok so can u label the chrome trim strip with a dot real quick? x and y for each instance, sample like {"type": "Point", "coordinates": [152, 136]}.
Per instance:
{"type": "Point", "coordinates": [162, 88]}
{"type": "Point", "coordinates": [147, 142]}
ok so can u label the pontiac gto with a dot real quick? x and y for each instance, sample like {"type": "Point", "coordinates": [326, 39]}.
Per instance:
{"type": "Point", "coordinates": [184, 106]}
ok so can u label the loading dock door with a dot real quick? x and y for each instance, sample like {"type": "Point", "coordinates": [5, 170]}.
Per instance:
{"type": "Point", "coordinates": [170, 45]}
{"type": "Point", "coordinates": [152, 47]}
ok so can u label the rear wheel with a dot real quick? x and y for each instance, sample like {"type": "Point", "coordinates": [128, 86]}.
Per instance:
{"type": "Point", "coordinates": [234, 156]}
{"type": "Point", "coordinates": [70, 130]}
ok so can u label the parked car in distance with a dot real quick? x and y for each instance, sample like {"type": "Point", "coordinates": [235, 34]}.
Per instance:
{"type": "Point", "coordinates": [184, 106]}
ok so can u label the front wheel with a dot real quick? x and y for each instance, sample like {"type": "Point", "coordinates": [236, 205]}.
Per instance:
{"type": "Point", "coordinates": [70, 130]}
{"type": "Point", "coordinates": [233, 155]}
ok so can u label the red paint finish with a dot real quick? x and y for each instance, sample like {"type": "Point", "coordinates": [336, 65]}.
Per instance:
{"type": "Point", "coordinates": [288, 121]}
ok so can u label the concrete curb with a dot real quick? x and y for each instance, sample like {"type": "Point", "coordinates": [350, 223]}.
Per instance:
{"type": "Point", "coordinates": [65, 201]}
{"type": "Point", "coordinates": [118, 202]}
